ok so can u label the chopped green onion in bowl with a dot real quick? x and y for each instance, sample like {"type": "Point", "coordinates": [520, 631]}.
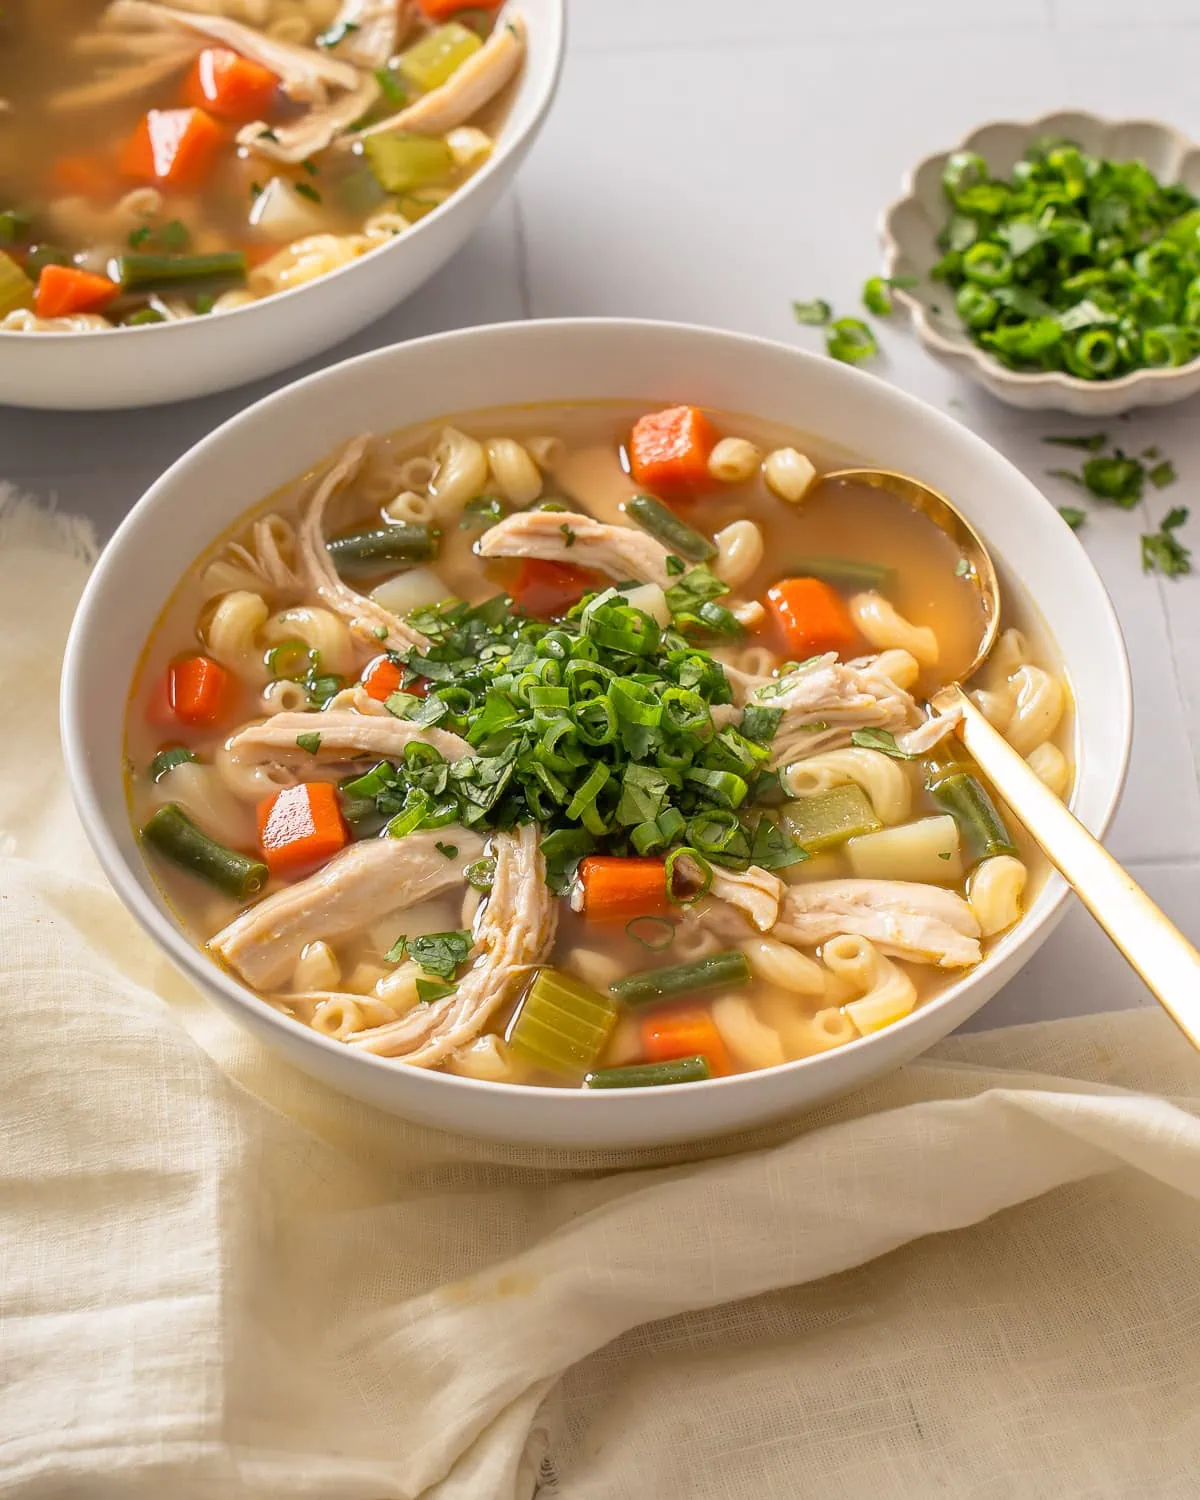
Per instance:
{"type": "Point", "coordinates": [1073, 262]}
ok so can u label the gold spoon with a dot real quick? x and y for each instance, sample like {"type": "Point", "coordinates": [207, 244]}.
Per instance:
{"type": "Point", "coordinates": [1167, 963]}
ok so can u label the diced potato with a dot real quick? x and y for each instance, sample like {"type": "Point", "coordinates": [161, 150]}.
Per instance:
{"type": "Point", "coordinates": [927, 850]}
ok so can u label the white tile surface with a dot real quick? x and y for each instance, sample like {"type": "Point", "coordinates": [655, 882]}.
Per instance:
{"type": "Point", "coordinates": [710, 162]}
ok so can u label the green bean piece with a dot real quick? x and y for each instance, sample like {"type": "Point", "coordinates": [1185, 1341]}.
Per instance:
{"type": "Point", "coordinates": [562, 1024]}
{"type": "Point", "coordinates": [830, 818]}
{"type": "Point", "coordinates": [171, 833]}
{"type": "Point", "coordinates": [844, 573]}
{"type": "Point", "coordinates": [41, 256]}
{"type": "Point", "coordinates": [365, 552]}
{"type": "Point", "coordinates": [967, 801]}
{"type": "Point", "coordinates": [717, 972]}
{"type": "Point", "coordinates": [14, 226]}
{"type": "Point", "coordinates": [143, 273]}
{"type": "Point", "coordinates": [143, 318]}
{"type": "Point", "coordinates": [167, 760]}
{"type": "Point", "coordinates": [665, 526]}
{"type": "Point", "coordinates": [651, 1075]}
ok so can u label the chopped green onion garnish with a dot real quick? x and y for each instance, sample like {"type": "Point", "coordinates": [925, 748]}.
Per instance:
{"type": "Point", "coordinates": [850, 340]}
{"type": "Point", "coordinates": [1162, 551]}
{"type": "Point", "coordinates": [816, 313]}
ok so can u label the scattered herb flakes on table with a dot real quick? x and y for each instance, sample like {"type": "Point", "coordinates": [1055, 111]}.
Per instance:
{"type": "Point", "coordinates": [1120, 479]}
{"type": "Point", "coordinates": [1074, 263]}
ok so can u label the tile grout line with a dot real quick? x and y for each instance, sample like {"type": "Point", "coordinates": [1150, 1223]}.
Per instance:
{"type": "Point", "coordinates": [524, 283]}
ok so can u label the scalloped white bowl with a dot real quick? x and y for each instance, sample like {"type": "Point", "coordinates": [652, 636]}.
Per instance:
{"type": "Point", "coordinates": [125, 367]}
{"type": "Point", "coordinates": [578, 360]}
{"type": "Point", "coordinates": [909, 228]}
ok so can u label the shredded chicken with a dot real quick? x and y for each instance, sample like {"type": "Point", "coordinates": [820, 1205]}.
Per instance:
{"type": "Point", "coordinates": [824, 700]}
{"type": "Point", "coordinates": [367, 619]}
{"type": "Point", "coordinates": [373, 30]}
{"type": "Point", "coordinates": [468, 89]}
{"type": "Point", "coordinates": [620, 552]}
{"type": "Point", "coordinates": [305, 73]}
{"type": "Point", "coordinates": [146, 71]}
{"type": "Point", "coordinates": [313, 131]}
{"type": "Point", "coordinates": [357, 887]}
{"type": "Point", "coordinates": [515, 931]}
{"type": "Point", "coordinates": [344, 735]}
{"type": "Point", "coordinates": [742, 684]}
{"type": "Point", "coordinates": [756, 892]}
{"type": "Point", "coordinates": [921, 923]}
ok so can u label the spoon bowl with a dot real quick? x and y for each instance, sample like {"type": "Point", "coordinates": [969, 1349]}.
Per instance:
{"type": "Point", "coordinates": [1159, 953]}
{"type": "Point", "coordinates": [975, 560]}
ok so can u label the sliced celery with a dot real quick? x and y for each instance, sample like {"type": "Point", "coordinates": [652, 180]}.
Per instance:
{"type": "Point", "coordinates": [402, 162]}
{"type": "Point", "coordinates": [830, 818]}
{"type": "Point", "coordinates": [562, 1025]}
{"type": "Point", "coordinates": [16, 289]}
{"type": "Point", "coordinates": [437, 56]}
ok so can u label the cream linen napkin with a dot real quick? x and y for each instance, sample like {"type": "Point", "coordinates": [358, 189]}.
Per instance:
{"type": "Point", "coordinates": [218, 1279]}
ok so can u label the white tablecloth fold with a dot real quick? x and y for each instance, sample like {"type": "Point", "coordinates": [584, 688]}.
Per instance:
{"type": "Point", "coordinates": [217, 1279]}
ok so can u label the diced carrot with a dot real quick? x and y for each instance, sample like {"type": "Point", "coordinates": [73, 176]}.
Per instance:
{"type": "Point", "coordinates": [618, 890]}
{"type": "Point", "coordinates": [86, 175]}
{"type": "Point", "coordinates": [382, 678]}
{"type": "Point", "coordinates": [668, 452]}
{"type": "Point", "coordinates": [173, 146]}
{"type": "Point", "coordinates": [300, 826]}
{"type": "Point", "coordinates": [231, 86]}
{"type": "Point", "coordinates": [442, 10]}
{"type": "Point", "coordinates": [685, 1033]}
{"type": "Point", "coordinates": [62, 290]}
{"type": "Point", "coordinates": [812, 617]}
{"type": "Point", "coordinates": [200, 689]}
{"type": "Point", "coordinates": [546, 589]}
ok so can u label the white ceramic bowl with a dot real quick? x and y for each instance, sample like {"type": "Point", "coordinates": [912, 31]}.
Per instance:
{"type": "Point", "coordinates": [909, 228]}
{"type": "Point", "coordinates": [173, 361]}
{"type": "Point", "coordinates": [256, 452]}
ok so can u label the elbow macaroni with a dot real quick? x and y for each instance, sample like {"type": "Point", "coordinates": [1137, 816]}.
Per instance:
{"type": "Point", "coordinates": [232, 635]}
{"type": "Point", "coordinates": [734, 460]}
{"type": "Point", "coordinates": [887, 629]}
{"type": "Point", "coordinates": [994, 890]}
{"type": "Point", "coordinates": [788, 474]}
{"type": "Point", "coordinates": [739, 552]}
{"type": "Point", "coordinates": [1049, 765]}
{"type": "Point", "coordinates": [886, 993]}
{"type": "Point", "coordinates": [513, 471]}
{"type": "Point", "coordinates": [752, 1042]}
{"type": "Point", "coordinates": [321, 631]}
{"type": "Point", "coordinates": [460, 474]}
{"type": "Point", "coordinates": [1039, 707]}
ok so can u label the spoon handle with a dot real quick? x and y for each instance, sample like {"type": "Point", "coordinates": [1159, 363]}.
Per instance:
{"type": "Point", "coordinates": [1154, 946]}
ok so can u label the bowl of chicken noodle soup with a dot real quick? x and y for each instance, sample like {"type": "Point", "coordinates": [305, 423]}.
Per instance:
{"type": "Point", "coordinates": [558, 769]}
{"type": "Point", "coordinates": [194, 194]}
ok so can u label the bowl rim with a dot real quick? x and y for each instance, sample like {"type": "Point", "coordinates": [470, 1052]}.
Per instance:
{"type": "Point", "coordinates": [543, 98]}
{"type": "Point", "coordinates": [208, 976]}
{"type": "Point", "coordinates": [965, 347]}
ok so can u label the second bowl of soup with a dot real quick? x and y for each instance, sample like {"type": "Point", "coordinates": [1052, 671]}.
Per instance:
{"type": "Point", "coordinates": [559, 770]}
{"type": "Point", "coordinates": [194, 196]}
